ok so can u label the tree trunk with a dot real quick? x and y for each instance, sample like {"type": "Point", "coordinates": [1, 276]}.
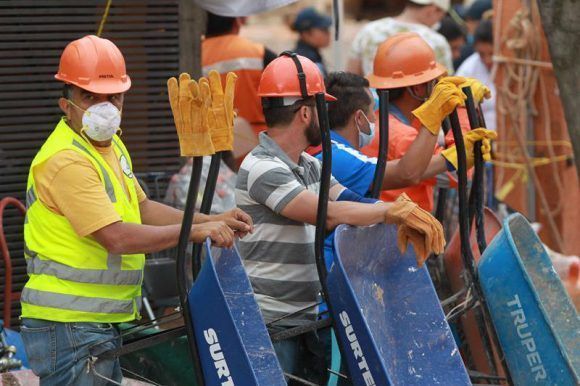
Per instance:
{"type": "Point", "coordinates": [560, 22]}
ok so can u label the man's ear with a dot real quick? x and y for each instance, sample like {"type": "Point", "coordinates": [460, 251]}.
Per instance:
{"type": "Point", "coordinates": [305, 114]}
{"type": "Point", "coordinates": [64, 106]}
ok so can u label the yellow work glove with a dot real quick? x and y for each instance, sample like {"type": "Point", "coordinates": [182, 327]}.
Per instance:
{"type": "Point", "coordinates": [470, 138]}
{"type": "Point", "coordinates": [417, 226]}
{"type": "Point", "coordinates": [219, 104]}
{"type": "Point", "coordinates": [478, 89]}
{"type": "Point", "coordinates": [191, 123]}
{"type": "Point", "coordinates": [445, 97]}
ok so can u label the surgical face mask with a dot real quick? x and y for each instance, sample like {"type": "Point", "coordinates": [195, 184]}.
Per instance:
{"type": "Point", "coordinates": [365, 139]}
{"type": "Point", "coordinates": [100, 121]}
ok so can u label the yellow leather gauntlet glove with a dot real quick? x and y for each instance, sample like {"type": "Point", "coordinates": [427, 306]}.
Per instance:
{"type": "Point", "coordinates": [470, 138]}
{"type": "Point", "coordinates": [445, 97]}
{"type": "Point", "coordinates": [219, 104]}
{"type": "Point", "coordinates": [478, 89]}
{"type": "Point", "coordinates": [191, 123]}
{"type": "Point", "coordinates": [417, 226]}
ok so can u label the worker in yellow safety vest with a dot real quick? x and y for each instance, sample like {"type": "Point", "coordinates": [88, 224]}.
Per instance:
{"type": "Point", "coordinates": [89, 225]}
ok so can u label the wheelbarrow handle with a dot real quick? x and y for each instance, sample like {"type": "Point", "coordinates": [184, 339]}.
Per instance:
{"type": "Point", "coordinates": [476, 197]}
{"type": "Point", "coordinates": [205, 208]}
{"type": "Point", "coordinates": [182, 281]}
{"type": "Point", "coordinates": [324, 190]}
{"type": "Point", "coordinates": [383, 143]}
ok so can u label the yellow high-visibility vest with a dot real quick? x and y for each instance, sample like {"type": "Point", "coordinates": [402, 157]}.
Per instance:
{"type": "Point", "coordinates": [73, 278]}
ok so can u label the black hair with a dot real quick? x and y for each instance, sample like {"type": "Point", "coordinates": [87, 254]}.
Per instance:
{"type": "Point", "coordinates": [483, 33]}
{"type": "Point", "coordinates": [280, 116]}
{"type": "Point", "coordinates": [67, 91]}
{"type": "Point", "coordinates": [350, 90]}
{"type": "Point", "coordinates": [450, 29]}
{"type": "Point", "coordinates": [218, 25]}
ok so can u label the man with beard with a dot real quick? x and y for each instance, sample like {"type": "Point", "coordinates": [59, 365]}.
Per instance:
{"type": "Point", "coordinates": [278, 185]}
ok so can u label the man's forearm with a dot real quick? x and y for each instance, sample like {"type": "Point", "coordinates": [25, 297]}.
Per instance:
{"type": "Point", "coordinates": [409, 170]}
{"type": "Point", "coordinates": [156, 213]}
{"type": "Point", "coordinates": [354, 213]}
{"type": "Point", "coordinates": [437, 165]}
{"type": "Point", "coordinates": [128, 238]}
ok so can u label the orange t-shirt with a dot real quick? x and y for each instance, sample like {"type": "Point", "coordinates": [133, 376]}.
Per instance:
{"type": "Point", "coordinates": [401, 136]}
{"type": "Point", "coordinates": [68, 184]}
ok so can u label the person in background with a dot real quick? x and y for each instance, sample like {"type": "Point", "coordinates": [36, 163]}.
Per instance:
{"type": "Point", "coordinates": [418, 16]}
{"type": "Point", "coordinates": [455, 37]}
{"type": "Point", "coordinates": [473, 16]}
{"type": "Point", "coordinates": [224, 50]}
{"type": "Point", "coordinates": [479, 65]}
{"type": "Point", "coordinates": [314, 34]}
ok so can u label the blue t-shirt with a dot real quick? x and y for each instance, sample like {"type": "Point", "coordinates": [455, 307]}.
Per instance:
{"type": "Point", "coordinates": [354, 171]}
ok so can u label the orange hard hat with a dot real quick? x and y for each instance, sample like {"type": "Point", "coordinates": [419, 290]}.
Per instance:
{"type": "Point", "coordinates": [404, 59]}
{"type": "Point", "coordinates": [94, 64]}
{"type": "Point", "coordinates": [291, 75]}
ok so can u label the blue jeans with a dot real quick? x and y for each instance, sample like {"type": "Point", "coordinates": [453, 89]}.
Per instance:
{"type": "Point", "coordinates": [306, 356]}
{"type": "Point", "coordinates": [60, 353]}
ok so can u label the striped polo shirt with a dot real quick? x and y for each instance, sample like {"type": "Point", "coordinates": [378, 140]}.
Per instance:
{"type": "Point", "coordinates": [279, 255]}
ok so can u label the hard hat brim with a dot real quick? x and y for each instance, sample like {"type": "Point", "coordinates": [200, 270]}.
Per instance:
{"type": "Point", "coordinates": [101, 86]}
{"type": "Point", "coordinates": [380, 82]}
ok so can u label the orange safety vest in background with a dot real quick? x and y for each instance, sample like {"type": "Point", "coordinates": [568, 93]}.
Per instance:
{"type": "Point", "coordinates": [401, 136]}
{"type": "Point", "coordinates": [234, 53]}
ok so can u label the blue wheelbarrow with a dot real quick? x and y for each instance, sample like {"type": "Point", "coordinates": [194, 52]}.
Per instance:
{"type": "Point", "coordinates": [536, 322]}
{"type": "Point", "coordinates": [232, 340]}
{"type": "Point", "coordinates": [389, 313]}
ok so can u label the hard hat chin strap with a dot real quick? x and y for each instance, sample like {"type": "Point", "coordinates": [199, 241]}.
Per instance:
{"type": "Point", "coordinates": [273, 102]}
{"type": "Point", "coordinates": [301, 74]}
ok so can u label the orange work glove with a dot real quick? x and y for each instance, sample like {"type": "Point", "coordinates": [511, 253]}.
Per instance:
{"type": "Point", "coordinates": [191, 122]}
{"type": "Point", "coordinates": [417, 226]}
{"type": "Point", "coordinates": [219, 104]}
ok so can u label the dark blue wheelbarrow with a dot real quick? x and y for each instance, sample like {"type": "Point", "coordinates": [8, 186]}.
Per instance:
{"type": "Point", "coordinates": [232, 339]}
{"type": "Point", "coordinates": [388, 320]}
{"type": "Point", "coordinates": [389, 312]}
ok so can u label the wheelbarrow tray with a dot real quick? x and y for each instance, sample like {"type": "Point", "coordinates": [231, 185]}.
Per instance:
{"type": "Point", "coordinates": [232, 339]}
{"type": "Point", "coordinates": [388, 313]}
{"type": "Point", "coordinates": [537, 325]}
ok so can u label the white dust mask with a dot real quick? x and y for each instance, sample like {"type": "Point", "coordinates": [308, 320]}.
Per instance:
{"type": "Point", "coordinates": [101, 121]}
{"type": "Point", "coordinates": [365, 139]}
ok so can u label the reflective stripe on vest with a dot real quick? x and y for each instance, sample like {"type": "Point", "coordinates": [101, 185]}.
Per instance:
{"type": "Point", "coordinates": [107, 179]}
{"type": "Point", "coordinates": [30, 197]}
{"type": "Point", "coordinates": [236, 64]}
{"type": "Point", "coordinates": [76, 303]}
{"type": "Point", "coordinates": [37, 266]}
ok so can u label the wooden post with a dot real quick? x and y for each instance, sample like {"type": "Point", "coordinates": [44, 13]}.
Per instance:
{"type": "Point", "coordinates": [191, 28]}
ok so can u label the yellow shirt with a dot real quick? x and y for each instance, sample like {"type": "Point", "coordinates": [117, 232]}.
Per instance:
{"type": "Point", "coordinates": [68, 184]}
